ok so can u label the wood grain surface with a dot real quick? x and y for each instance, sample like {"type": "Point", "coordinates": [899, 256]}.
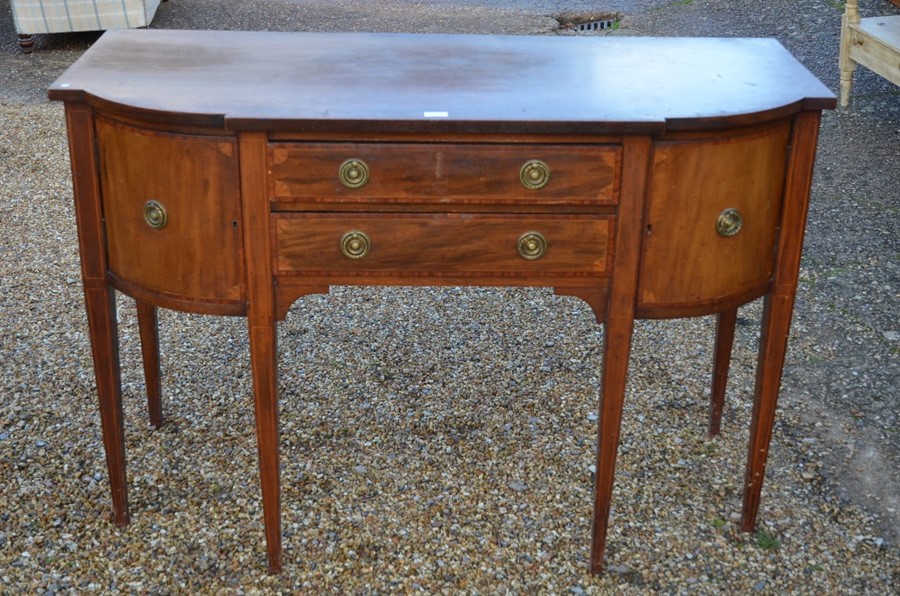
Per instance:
{"type": "Point", "coordinates": [424, 83]}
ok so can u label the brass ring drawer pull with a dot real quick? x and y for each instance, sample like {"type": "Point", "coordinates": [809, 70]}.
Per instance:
{"type": "Point", "coordinates": [355, 244]}
{"type": "Point", "coordinates": [155, 214]}
{"type": "Point", "coordinates": [354, 173]}
{"type": "Point", "coordinates": [729, 223]}
{"type": "Point", "coordinates": [532, 245]}
{"type": "Point", "coordinates": [534, 174]}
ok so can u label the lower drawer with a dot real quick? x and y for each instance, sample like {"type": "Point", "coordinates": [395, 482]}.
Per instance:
{"type": "Point", "coordinates": [444, 244]}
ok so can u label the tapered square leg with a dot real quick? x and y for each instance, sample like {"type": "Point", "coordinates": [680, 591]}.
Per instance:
{"type": "Point", "coordinates": [99, 300]}
{"type": "Point", "coordinates": [261, 321]}
{"type": "Point", "coordinates": [725, 325]}
{"type": "Point", "coordinates": [619, 326]}
{"type": "Point", "coordinates": [778, 309]}
{"type": "Point", "coordinates": [101, 309]}
{"type": "Point", "coordinates": [772, 349]}
{"type": "Point", "coordinates": [616, 351]}
{"type": "Point", "coordinates": [148, 327]}
{"type": "Point", "coordinates": [265, 391]}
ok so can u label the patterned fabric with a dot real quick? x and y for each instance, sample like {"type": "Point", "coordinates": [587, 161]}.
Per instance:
{"type": "Point", "coordinates": [59, 16]}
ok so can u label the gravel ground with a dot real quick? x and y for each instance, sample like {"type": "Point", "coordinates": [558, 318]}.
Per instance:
{"type": "Point", "coordinates": [440, 440]}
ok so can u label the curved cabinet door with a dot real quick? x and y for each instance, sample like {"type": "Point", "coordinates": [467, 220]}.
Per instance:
{"type": "Point", "coordinates": [171, 205]}
{"type": "Point", "coordinates": [712, 221]}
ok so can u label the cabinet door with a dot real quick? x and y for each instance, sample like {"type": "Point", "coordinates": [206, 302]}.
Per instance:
{"type": "Point", "coordinates": [688, 263]}
{"type": "Point", "coordinates": [171, 205]}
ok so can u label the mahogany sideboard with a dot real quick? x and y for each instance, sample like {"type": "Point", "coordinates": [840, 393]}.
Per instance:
{"type": "Point", "coordinates": [231, 173]}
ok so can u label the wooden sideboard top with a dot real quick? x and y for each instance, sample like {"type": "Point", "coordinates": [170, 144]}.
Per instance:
{"type": "Point", "coordinates": [441, 83]}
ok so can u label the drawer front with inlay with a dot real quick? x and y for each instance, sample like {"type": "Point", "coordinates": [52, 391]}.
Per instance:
{"type": "Point", "coordinates": [309, 173]}
{"type": "Point", "coordinates": [436, 245]}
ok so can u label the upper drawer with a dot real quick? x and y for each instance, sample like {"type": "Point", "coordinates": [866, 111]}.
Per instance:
{"type": "Point", "coordinates": [576, 175]}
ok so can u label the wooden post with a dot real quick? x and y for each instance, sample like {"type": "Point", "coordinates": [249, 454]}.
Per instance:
{"type": "Point", "coordinates": [100, 301]}
{"type": "Point", "coordinates": [845, 63]}
{"type": "Point", "coordinates": [261, 322]}
{"type": "Point", "coordinates": [617, 337]}
{"type": "Point", "coordinates": [725, 323]}
{"type": "Point", "coordinates": [147, 327]}
{"type": "Point", "coordinates": [779, 304]}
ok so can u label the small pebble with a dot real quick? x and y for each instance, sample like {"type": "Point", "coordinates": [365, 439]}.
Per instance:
{"type": "Point", "coordinates": [517, 486]}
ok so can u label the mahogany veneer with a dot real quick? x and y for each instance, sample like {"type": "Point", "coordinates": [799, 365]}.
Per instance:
{"type": "Point", "coordinates": [232, 173]}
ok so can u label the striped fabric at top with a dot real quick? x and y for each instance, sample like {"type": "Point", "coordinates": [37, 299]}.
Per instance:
{"type": "Point", "coordinates": [59, 16]}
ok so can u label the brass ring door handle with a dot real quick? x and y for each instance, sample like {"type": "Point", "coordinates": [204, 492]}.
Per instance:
{"type": "Point", "coordinates": [155, 214]}
{"type": "Point", "coordinates": [355, 244]}
{"type": "Point", "coordinates": [534, 174]}
{"type": "Point", "coordinates": [729, 223]}
{"type": "Point", "coordinates": [354, 173]}
{"type": "Point", "coordinates": [532, 245]}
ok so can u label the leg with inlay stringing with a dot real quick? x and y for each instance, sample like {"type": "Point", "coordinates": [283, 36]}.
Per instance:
{"type": "Point", "coordinates": [725, 325]}
{"type": "Point", "coordinates": [147, 326]}
{"type": "Point", "coordinates": [100, 301]}
{"type": "Point", "coordinates": [616, 352]}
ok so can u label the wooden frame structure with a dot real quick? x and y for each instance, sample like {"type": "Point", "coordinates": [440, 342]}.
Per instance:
{"type": "Point", "coordinates": [873, 42]}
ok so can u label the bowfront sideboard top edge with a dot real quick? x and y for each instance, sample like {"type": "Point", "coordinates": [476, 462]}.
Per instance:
{"type": "Point", "coordinates": [441, 83]}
